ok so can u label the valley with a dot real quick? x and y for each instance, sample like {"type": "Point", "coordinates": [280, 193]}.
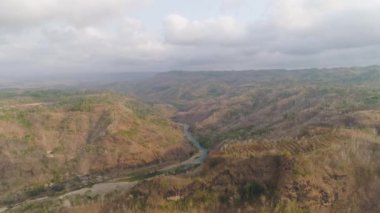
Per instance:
{"type": "Point", "coordinates": [68, 141]}
{"type": "Point", "coordinates": [252, 141]}
{"type": "Point", "coordinates": [222, 106]}
{"type": "Point", "coordinates": [100, 186]}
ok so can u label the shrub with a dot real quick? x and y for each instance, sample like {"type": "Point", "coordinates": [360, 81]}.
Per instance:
{"type": "Point", "coordinates": [35, 191]}
{"type": "Point", "coordinates": [253, 190]}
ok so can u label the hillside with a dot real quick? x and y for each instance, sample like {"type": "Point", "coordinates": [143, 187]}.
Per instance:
{"type": "Point", "coordinates": [281, 140]}
{"type": "Point", "coordinates": [323, 172]}
{"type": "Point", "coordinates": [278, 140]}
{"type": "Point", "coordinates": [271, 103]}
{"type": "Point", "coordinates": [53, 137]}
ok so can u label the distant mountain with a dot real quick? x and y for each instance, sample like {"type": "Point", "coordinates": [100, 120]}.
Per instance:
{"type": "Point", "coordinates": [71, 80]}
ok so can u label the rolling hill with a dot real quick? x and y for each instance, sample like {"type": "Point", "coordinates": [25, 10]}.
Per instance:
{"type": "Point", "coordinates": [278, 140]}
{"type": "Point", "coordinates": [54, 139]}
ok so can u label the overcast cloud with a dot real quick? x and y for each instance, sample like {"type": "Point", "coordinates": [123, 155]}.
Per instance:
{"type": "Point", "coordinates": [48, 36]}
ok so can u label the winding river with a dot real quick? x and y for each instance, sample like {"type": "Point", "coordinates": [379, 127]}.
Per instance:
{"type": "Point", "coordinates": [110, 186]}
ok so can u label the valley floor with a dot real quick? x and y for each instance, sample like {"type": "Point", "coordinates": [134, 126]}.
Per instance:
{"type": "Point", "coordinates": [102, 189]}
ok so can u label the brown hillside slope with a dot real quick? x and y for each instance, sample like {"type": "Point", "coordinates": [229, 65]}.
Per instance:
{"type": "Point", "coordinates": [268, 103]}
{"type": "Point", "coordinates": [78, 135]}
{"type": "Point", "coordinates": [325, 171]}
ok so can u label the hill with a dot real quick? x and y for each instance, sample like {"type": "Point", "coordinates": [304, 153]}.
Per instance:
{"type": "Point", "coordinates": [57, 140]}
{"type": "Point", "coordinates": [281, 140]}
{"type": "Point", "coordinates": [270, 103]}
{"type": "Point", "coordinates": [325, 171]}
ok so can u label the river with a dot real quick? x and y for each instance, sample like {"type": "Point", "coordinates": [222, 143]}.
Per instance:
{"type": "Point", "coordinates": [110, 186]}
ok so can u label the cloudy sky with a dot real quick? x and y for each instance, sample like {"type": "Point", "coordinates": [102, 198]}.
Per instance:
{"type": "Point", "coordinates": [54, 36]}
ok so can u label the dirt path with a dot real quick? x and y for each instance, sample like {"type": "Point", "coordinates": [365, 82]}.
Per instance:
{"type": "Point", "coordinates": [102, 189]}
{"type": "Point", "coordinates": [28, 105]}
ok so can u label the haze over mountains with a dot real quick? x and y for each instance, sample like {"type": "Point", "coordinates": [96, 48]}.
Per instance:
{"type": "Point", "coordinates": [77, 80]}
{"type": "Point", "coordinates": [189, 106]}
{"type": "Point", "coordinates": [277, 141]}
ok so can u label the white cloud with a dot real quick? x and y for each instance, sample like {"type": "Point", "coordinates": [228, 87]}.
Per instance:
{"type": "Point", "coordinates": [306, 14]}
{"type": "Point", "coordinates": [219, 30]}
{"type": "Point", "coordinates": [310, 26]}
{"type": "Point", "coordinates": [21, 13]}
{"type": "Point", "coordinates": [81, 47]}
{"type": "Point", "coordinates": [231, 5]}
{"type": "Point", "coordinates": [79, 35]}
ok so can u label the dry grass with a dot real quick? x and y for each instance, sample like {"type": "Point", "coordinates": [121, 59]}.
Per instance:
{"type": "Point", "coordinates": [81, 134]}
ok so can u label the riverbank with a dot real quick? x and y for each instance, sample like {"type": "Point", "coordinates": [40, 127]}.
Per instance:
{"type": "Point", "coordinates": [124, 183]}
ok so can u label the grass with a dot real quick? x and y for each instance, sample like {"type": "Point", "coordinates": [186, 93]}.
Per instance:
{"type": "Point", "coordinates": [130, 132]}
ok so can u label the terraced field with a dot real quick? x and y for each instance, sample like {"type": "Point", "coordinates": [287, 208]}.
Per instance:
{"type": "Point", "coordinates": [291, 147]}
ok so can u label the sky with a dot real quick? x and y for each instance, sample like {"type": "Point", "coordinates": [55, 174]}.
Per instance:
{"type": "Point", "coordinates": [71, 36]}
